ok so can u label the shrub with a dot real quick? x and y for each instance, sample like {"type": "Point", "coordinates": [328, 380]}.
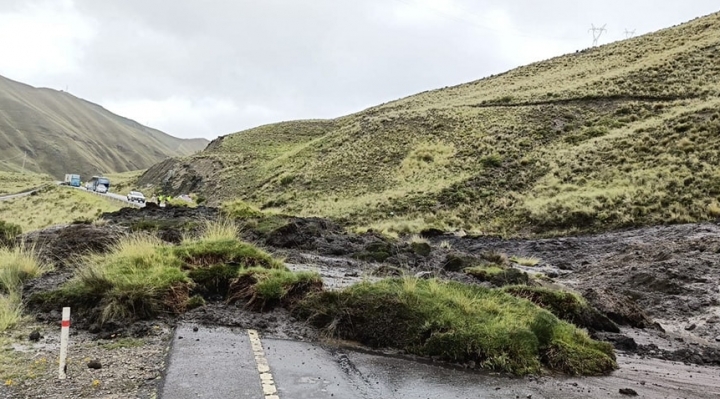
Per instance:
{"type": "Point", "coordinates": [458, 323]}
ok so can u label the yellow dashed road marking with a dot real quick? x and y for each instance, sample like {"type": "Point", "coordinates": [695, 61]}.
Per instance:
{"type": "Point", "coordinates": [266, 378]}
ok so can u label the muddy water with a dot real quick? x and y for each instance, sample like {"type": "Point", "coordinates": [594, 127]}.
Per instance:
{"type": "Point", "coordinates": [337, 273]}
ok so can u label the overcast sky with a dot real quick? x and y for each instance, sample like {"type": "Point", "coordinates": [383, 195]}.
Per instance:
{"type": "Point", "coordinates": [203, 68]}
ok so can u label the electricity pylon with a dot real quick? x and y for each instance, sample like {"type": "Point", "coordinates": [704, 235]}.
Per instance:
{"type": "Point", "coordinates": [629, 33]}
{"type": "Point", "coordinates": [597, 32]}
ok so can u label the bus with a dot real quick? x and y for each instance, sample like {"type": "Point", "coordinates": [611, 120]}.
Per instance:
{"type": "Point", "coordinates": [96, 181]}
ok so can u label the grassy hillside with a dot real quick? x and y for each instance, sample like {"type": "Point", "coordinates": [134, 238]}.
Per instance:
{"type": "Point", "coordinates": [12, 183]}
{"type": "Point", "coordinates": [620, 135]}
{"type": "Point", "coordinates": [54, 206]}
{"type": "Point", "coordinates": [64, 134]}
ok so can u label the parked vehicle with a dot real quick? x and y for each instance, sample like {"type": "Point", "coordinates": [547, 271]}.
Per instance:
{"type": "Point", "coordinates": [101, 189]}
{"type": "Point", "coordinates": [97, 181]}
{"type": "Point", "coordinates": [136, 196]}
{"type": "Point", "coordinates": [72, 180]}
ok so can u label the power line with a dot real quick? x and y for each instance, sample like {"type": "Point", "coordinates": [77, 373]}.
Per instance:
{"type": "Point", "coordinates": [629, 33]}
{"type": "Point", "coordinates": [597, 32]}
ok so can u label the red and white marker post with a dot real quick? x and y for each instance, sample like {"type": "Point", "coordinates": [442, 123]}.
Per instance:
{"type": "Point", "coordinates": [64, 337]}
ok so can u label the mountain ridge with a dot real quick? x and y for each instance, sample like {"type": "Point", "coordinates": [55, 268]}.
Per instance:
{"type": "Point", "coordinates": [62, 133]}
{"type": "Point", "coordinates": [613, 136]}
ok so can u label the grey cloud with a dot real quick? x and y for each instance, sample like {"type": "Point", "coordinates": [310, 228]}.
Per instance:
{"type": "Point", "coordinates": [322, 58]}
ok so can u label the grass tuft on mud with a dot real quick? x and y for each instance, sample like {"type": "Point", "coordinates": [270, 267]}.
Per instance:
{"type": "Point", "coordinates": [567, 306]}
{"type": "Point", "coordinates": [135, 280]}
{"type": "Point", "coordinates": [497, 275]}
{"type": "Point", "coordinates": [8, 233]}
{"type": "Point", "coordinates": [239, 209]}
{"type": "Point", "coordinates": [142, 277]}
{"type": "Point", "coordinates": [459, 323]}
{"type": "Point", "coordinates": [265, 289]}
{"type": "Point", "coordinates": [206, 253]}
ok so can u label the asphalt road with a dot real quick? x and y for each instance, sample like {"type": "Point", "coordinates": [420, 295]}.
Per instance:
{"type": "Point", "coordinates": [123, 199]}
{"type": "Point", "coordinates": [114, 196]}
{"type": "Point", "coordinates": [215, 363]}
{"type": "Point", "coordinates": [117, 197]}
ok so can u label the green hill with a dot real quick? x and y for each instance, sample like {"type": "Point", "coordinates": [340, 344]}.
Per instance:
{"type": "Point", "coordinates": [620, 135]}
{"type": "Point", "coordinates": [64, 134]}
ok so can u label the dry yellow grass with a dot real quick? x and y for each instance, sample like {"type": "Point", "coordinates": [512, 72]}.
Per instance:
{"type": "Point", "coordinates": [54, 206]}
{"type": "Point", "coordinates": [13, 182]}
{"type": "Point", "coordinates": [615, 136]}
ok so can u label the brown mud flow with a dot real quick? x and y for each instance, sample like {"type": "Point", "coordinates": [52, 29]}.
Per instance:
{"type": "Point", "coordinates": [655, 289]}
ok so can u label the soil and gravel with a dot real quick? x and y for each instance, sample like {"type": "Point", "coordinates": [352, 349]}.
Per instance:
{"type": "Point", "coordinates": [660, 285]}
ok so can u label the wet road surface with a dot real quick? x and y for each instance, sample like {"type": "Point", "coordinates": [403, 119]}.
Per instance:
{"type": "Point", "coordinates": [221, 363]}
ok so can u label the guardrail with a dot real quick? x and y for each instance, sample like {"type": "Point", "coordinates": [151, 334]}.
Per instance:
{"type": "Point", "coordinates": [116, 199]}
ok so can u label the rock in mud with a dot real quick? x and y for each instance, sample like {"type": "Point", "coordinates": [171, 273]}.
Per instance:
{"type": "Point", "coordinates": [618, 308]}
{"type": "Point", "coordinates": [628, 392]}
{"type": "Point", "coordinates": [35, 336]}
{"type": "Point", "coordinates": [421, 248]}
{"type": "Point", "coordinates": [619, 341]}
{"type": "Point", "coordinates": [456, 262]}
{"type": "Point", "coordinates": [94, 364]}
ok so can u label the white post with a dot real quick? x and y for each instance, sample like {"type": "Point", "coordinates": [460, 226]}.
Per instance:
{"type": "Point", "coordinates": [64, 336]}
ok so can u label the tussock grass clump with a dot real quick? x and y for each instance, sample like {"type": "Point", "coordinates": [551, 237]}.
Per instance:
{"type": "Point", "coordinates": [218, 230]}
{"type": "Point", "coordinates": [498, 275]}
{"type": "Point", "coordinates": [264, 289]}
{"type": "Point", "coordinates": [11, 311]}
{"type": "Point", "coordinates": [8, 233]}
{"type": "Point", "coordinates": [17, 265]}
{"type": "Point", "coordinates": [240, 209]}
{"type": "Point", "coordinates": [567, 306]}
{"type": "Point", "coordinates": [224, 251]}
{"type": "Point", "coordinates": [214, 259]}
{"type": "Point", "coordinates": [138, 279]}
{"type": "Point", "coordinates": [142, 277]}
{"type": "Point", "coordinates": [495, 257]}
{"type": "Point", "coordinates": [458, 323]}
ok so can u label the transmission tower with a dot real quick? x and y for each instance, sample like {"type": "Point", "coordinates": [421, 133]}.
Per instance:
{"type": "Point", "coordinates": [597, 32]}
{"type": "Point", "coordinates": [629, 33]}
